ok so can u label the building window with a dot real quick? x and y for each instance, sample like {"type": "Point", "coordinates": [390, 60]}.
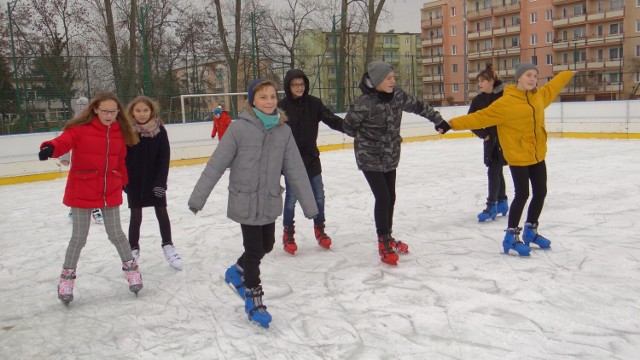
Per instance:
{"type": "Point", "coordinates": [454, 50]}
{"type": "Point", "coordinates": [638, 73]}
{"type": "Point", "coordinates": [600, 55]}
{"type": "Point", "coordinates": [454, 68]}
{"type": "Point", "coordinates": [455, 88]}
{"type": "Point", "coordinates": [579, 9]}
{"type": "Point", "coordinates": [549, 59]}
{"type": "Point", "coordinates": [454, 30]}
{"type": "Point", "coordinates": [615, 29]}
{"type": "Point", "coordinates": [616, 5]}
{"type": "Point", "coordinates": [615, 53]}
{"type": "Point", "coordinates": [549, 38]}
{"type": "Point", "coordinates": [487, 24]}
{"type": "Point", "coordinates": [534, 39]}
{"type": "Point", "coordinates": [534, 60]}
{"type": "Point", "coordinates": [638, 25]}
{"type": "Point", "coordinates": [549, 14]}
{"type": "Point", "coordinates": [453, 11]}
{"type": "Point", "coordinates": [534, 18]}
{"type": "Point", "coordinates": [407, 40]}
{"type": "Point", "coordinates": [387, 40]}
{"type": "Point", "coordinates": [487, 45]}
{"type": "Point", "coordinates": [638, 48]}
{"type": "Point", "coordinates": [614, 78]}
{"type": "Point", "coordinates": [515, 42]}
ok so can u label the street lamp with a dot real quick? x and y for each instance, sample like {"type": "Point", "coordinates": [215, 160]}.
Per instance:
{"type": "Point", "coordinates": [335, 60]}
{"type": "Point", "coordinates": [254, 16]}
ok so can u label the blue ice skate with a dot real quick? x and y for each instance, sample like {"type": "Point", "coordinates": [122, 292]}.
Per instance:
{"type": "Point", "coordinates": [503, 207]}
{"type": "Point", "coordinates": [512, 242]}
{"type": "Point", "coordinates": [234, 276]}
{"type": "Point", "coordinates": [530, 235]}
{"type": "Point", "coordinates": [256, 311]}
{"type": "Point", "coordinates": [489, 213]}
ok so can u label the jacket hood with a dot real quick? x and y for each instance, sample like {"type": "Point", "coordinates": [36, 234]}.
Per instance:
{"type": "Point", "coordinates": [292, 74]}
{"type": "Point", "coordinates": [498, 87]}
{"type": "Point", "coordinates": [366, 85]}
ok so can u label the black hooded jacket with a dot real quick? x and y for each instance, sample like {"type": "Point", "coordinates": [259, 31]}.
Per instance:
{"type": "Point", "coordinates": [304, 114]}
{"type": "Point", "coordinates": [492, 148]}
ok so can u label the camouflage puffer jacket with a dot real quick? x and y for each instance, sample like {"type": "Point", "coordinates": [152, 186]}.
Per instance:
{"type": "Point", "coordinates": [374, 122]}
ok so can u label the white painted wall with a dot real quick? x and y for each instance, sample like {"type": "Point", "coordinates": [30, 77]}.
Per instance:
{"type": "Point", "coordinates": [18, 153]}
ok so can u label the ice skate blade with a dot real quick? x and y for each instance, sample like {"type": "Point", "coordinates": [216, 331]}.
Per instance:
{"type": "Point", "coordinates": [261, 325]}
{"type": "Point", "coordinates": [232, 287]}
{"type": "Point", "coordinates": [515, 254]}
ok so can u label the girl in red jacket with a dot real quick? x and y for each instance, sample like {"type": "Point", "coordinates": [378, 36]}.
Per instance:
{"type": "Point", "coordinates": [98, 138]}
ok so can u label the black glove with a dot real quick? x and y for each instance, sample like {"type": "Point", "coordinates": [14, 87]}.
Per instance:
{"type": "Point", "coordinates": [193, 210]}
{"type": "Point", "coordinates": [159, 192]}
{"type": "Point", "coordinates": [45, 153]}
{"type": "Point", "coordinates": [443, 127]}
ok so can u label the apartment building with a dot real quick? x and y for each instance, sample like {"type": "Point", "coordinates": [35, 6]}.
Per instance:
{"type": "Point", "coordinates": [598, 38]}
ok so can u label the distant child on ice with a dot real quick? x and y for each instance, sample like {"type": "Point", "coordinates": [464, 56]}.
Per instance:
{"type": "Point", "coordinates": [148, 168]}
{"type": "Point", "coordinates": [221, 122]}
{"type": "Point", "coordinates": [98, 139]}
{"type": "Point", "coordinates": [258, 148]}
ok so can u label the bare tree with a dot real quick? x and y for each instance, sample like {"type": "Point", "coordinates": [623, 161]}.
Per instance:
{"type": "Point", "coordinates": [286, 25]}
{"type": "Point", "coordinates": [232, 58]}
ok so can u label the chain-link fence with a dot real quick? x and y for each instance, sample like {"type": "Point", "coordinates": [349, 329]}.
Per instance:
{"type": "Point", "coordinates": [44, 90]}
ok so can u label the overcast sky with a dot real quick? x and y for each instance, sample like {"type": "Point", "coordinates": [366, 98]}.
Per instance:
{"type": "Point", "coordinates": [406, 15]}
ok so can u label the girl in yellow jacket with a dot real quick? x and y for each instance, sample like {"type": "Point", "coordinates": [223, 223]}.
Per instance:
{"type": "Point", "coordinates": [519, 117]}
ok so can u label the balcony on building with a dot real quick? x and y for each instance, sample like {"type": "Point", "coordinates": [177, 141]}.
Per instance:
{"type": "Point", "coordinates": [508, 9]}
{"type": "Point", "coordinates": [431, 23]}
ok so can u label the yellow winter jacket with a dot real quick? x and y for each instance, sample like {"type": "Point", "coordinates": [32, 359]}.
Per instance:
{"type": "Point", "coordinates": [519, 117]}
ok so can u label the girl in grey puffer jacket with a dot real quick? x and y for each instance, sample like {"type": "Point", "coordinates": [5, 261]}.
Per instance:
{"type": "Point", "coordinates": [258, 148]}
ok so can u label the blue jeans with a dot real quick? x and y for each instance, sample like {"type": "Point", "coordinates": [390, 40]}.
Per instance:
{"type": "Point", "coordinates": [290, 201]}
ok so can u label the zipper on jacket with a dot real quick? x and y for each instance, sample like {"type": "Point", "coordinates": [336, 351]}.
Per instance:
{"type": "Point", "coordinates": [106, 168]}
{"type": "Point", "coordinates": [535, 135]}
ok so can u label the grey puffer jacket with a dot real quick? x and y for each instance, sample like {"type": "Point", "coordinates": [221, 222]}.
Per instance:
{"type": "Point", "coordinates": [257, 158]}
{"type": "Point", "coordinates": [374, 122]}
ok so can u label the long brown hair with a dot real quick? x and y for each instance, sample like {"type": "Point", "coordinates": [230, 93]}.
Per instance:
{"type": "Point", "coordinates": [153, 105]}
{"type": "Point", "coordinates": [89, 113]}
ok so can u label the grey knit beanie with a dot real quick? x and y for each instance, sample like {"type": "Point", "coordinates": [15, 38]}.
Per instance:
{"type": "Point", "coordinates": [378, 70]}
{"type": "Point", "coordinates": [523, 67]}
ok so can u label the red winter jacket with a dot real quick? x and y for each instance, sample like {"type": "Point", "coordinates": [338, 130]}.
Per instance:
{"type": "Point", "coordinates": [220, 125]}
{"type": "Point", "coordinates": [98, 170]}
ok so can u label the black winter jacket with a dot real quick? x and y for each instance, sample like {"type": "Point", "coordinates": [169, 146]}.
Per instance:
{"type": "Point", "coordinates": [148, 165]}
{"type": "Point", "coordinates": [492, 148]}
{"type": "Point", "coordinates": [304, 114]}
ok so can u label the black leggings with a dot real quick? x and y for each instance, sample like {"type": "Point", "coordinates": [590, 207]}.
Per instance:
{"type": "Point", "coordinates": [522, 175]}
{"type": "Point", "coordinates": [257, 240]}
{"type": "Point", "coordinates": [383, 186]}
{"type": "Point", "coordinates": [136, 220]}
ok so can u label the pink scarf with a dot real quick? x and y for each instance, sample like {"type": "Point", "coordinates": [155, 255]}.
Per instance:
{"type": "Point", "coordinates": [149, 129]}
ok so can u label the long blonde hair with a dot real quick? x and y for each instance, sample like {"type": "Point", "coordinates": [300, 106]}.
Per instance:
{"type": "Point", "coordinates": [153, 105]}
{"type": "Point", "coordinates": [89, 113]}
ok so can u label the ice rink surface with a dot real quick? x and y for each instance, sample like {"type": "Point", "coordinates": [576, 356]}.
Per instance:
{"type": "Point", "coordinates": [455, 296]}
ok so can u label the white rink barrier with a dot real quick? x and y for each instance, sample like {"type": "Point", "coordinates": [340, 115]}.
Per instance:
{"type": "Point", "coordinates": [601, 119]}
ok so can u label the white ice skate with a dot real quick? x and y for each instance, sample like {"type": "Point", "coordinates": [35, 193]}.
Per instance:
{"type": "Point", "coordinates": [97, 215]}
{"type": "Point", "coordinates": [172, 256]}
